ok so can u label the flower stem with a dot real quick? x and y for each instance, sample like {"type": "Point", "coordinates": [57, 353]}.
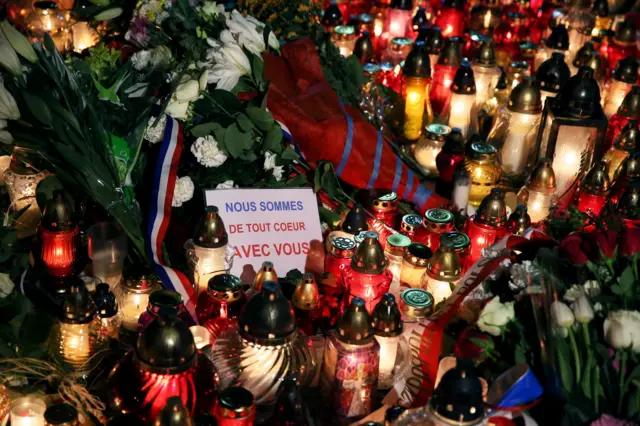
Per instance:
{"type": "Point", "coordinates": [576, 355]}
{"type": "Point", "coordinates": [587, 338]}
{"type": "Point", "coordinates": [623, 367]}
{"type": "Point", "coordinates": [596, 388]}
{"type": "Point", "coordinates": [634, 266]}
{"type": "Point", "coordinates": [610, 266]}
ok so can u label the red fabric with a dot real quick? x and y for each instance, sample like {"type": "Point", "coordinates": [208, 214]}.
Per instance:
{"type": "Point", "coordinates": [302, 99]}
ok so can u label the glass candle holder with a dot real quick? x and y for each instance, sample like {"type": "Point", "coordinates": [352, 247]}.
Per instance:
{"type": "Point", "coordinates": [416, 73]}
{"type": "Point", "coordinates": [344, 38]}
{"type": "Point", "coordinates": [461, 244]}
{"type": "Point", "coordinates": [410, 226]}
{"type": "Point", "coordinates": [488, 224]}
{"type": "Point", "coordinates": [484, 170]}
{"type": "Point", "coordinates": [414, 265]}
{"type": "Point", "coordinates": [459, 110]}
{"type": "Point", "coordinates": [306, 306]}
{"type": "Point", "coordinates": [444, 72]}
{"type": "Point", "coordinates": [443, 272]}
{"type": "Point", "coordinates": [451, 155]}
{"type": "Point", "coordinates": [133, 298]}
{"type": "Point", "coordinates": [27, 411]}
{"type": "Point", "coordinates": [207, 250]}
{"type": "Point", "coordinates": [220, 307]}
{"type": "Point", "coordinates": [593, 190]}
{"type": "Point", "coordinates": [338, 260]}
{"type": "Point", "coordinates": [59, 236]}
{"type": "Point", "coordinates": [394, 252]}
{"type": "Point", "coordinates": [461, 189]}
{"type": "Point", "coordinates": [265, 349]}
{"type": "Point", "coordinates": [451, 19]}
{"type": "Point", "coordinates": [385, 209]}
{"type": "Point", "coordinates": [398, 50]}
{"type": "Point", "coordinates": [510, 33]}
{"type": "Point", "coordinates": [387, 325]}
{"type": "Point", "coordinates": [109, 315]}
{"type": "Point", "coordinates": [624, 77]}
{"type": "Point", "coordinates": [107, 249]}
{"type": "Point", "coordinates": [538, 194]}
{"type": "Point", "coordinates": [368, 278]}
{"type": "Point", "coordinates": [485, 72]}
{"type": "Point", "coordinates": [628, 110]}
{"type": "Point", "coordinates": [235, 406]}
{"type": "Point", "coordinates": [625, 144]}
{"type": "Point", "coordinates": [398, 23]}
{"type": "Point", "coordinates": [164, 299]}
{"type": "Point", "coordinates": [427, 149]}
{"type": "Point", "coordinates": [350, 367]}
{"type": "Point", "coordinates": [435, 223]}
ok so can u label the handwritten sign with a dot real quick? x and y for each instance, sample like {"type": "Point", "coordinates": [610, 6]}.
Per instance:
{"type": "Point", "coordinates": [275, 225]}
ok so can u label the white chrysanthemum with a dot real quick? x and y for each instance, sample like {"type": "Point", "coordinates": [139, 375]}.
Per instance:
{"type": "Point", "coordinates": [226, 185]}
{"type": "Point", "coordinates": [207, 153]}
{"type": "Point", "coordinates": [269, 161]}
{"type": "Point", "coordinates": [141, 59]}
{"type": "Point", "coordinates": [277, 172]}
{"type": "Point", "coordinates": [154, 133]}
{"type": "Point", "coordinates": [183, 191]}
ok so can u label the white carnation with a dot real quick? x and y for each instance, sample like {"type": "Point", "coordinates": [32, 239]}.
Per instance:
{"type": "Point", "coordinates": [160, 56]}
{"type": "Point", "coordinates": [277, 172]}
{"type": "Point", "coordinates": [206, 151]}
{"type": "Point", "coordinates": [154, 133]}
{"type": "Point", "coordinates": [183, 191]}
{"type": "Point", "coordinates": [226, 185]}
{"type": "Point", "coordinates": [269, 161]}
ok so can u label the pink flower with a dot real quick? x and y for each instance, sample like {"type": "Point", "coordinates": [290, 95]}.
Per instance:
{"type": "Point", "coordinates": [137, 33]}
{"type": "Point", "coordinates": [607, 420]}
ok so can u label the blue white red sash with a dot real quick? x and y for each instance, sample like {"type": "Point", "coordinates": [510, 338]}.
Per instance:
{"type": "Point", "coordinates": [164, 180]}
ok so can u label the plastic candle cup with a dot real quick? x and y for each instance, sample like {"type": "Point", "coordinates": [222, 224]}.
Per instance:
{"type": "Point", "coordinates": [460, 243]}
{"type": "Point", "coordinates": [107, 248]}
{"type": "Point", "coordinates": [414, 265]}
{"type": "Point", "coordinates": [461, 110]}
{"type": "Point", "coordinates": [411, 226]}
{"type": "Point", "coordinates": [133, 297]}
{"type": "Point", "coordinates": [435, 223]}
{"type": "Point", "coordinates": [338, 260]}
{"type": "Point", "coordinates": [394, 252]}
{"type": "Point", "coordinates": [444, 71]}
{"type": "Point", "coordinates": [488, 224]}
{"type": "Point", "coordinates": [443, 272]}
{"type": "Point", "coordinates": [27, 411]}
{"type": "Point", "coordinates": [483, 168]}
{"type": "Point", "coordinates": [387, 325]}
{"type": "Point", "coordinates": [486, 72]}
{"type": "Point", "coordinates": [344, 38]}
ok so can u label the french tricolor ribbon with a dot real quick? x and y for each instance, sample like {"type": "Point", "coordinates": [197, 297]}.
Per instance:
{"type": "Point", "coordinates": [164, 180]}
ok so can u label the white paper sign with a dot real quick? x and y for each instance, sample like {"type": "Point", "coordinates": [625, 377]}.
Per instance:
{"type": "Point", "coordinates": [275, 225]}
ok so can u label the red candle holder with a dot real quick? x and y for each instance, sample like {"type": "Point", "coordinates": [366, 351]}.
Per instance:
{"type": "Point", "coordinates": [593, 190]}
{"type": "Point", "coordinates": [235, 406]}
{"type": "Point", "coordinates": [411, 225]}
{"type": "Point", "coordinates": [58, 235]}
{"type": "Point", "coordinates": [385, 211]}
{"type": "Point", "coordinates": [622, 45]}
{"type": "Point", "coordinates": [435, 223]}
{"type": "Point", "coordinates": [629, 172]}
{"type": "Point", "coordinates": [509, 34]}
{"type": "Point", "coordinates": [488, 225]}
{"type": "Point", "coordinates": [447, 160]}
{"type": "Point", "coordinates": [451, 19]}
{"type": "Point", "coordinates": [306, 306]}
{"type": "Point", "coordinates": [628, 206]}
{"type": "Point", "coordinates": [368, 278]}
{"type": "Point", "coordinates": [443, 73]}
{"type": "Point", "coordinates": [338, 260]}
{"type": "Point", "coordinates": [220, 306]}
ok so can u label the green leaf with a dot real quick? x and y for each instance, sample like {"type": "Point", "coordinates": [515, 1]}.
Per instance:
{"type": "Point", "coordinates": [273, 140]}
{"type": "Point", "coordinates": [204, 129]}
{"type": "Point", "coordinates": [262, 118]}
{"type": "Point", "coordinates": [38, 108]}
{"type": "Point", "coordinates": [626, 280]}
{"type": "Point", "coordinates": [258, 69]}
{"type": "Point", "coordinates": [329, 217]}
{"type": "Point", "coordinates": [234, 140]}
{"type": "Point", "coordinates": [244, 122]}
{"type": "Point", "coordinates": [289, 154]}
{"type": "Point", "coordinates": [226, 101]}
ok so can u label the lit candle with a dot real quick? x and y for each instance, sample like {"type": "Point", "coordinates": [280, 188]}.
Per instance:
{"type": "Point", "coordinates": [416, 73]}
{"type": "Point", "coordinates": [414, 265]}
{"type": "Point", "coordinates": [461, 188]}
{"type": "Point", "coordinates": [387, 325]}
{"type": "Point", "coordinates": [84, 36]}
{"type": "Point", "coordinates": [443, 72]}
{"type": "Point", "coordinates": [485, 72]}
{"type": "Point", "coordinates": [133, 297]}
{"type": "Point", "coordinates": [399, 18]}
{"type": "Point", "coordinates": [344, 38]}
{"type": "Point", "coordinates": [488, 224]}
{"type": "Point", "coordinates": [58, 233]}
{"type": "Point", "coordinates": [539, 191]}
{"type": "Point", "coordinates": [27, 411]}
{"type": "Point", "coordinates": [427, 149]}
{"type": "Point", "coordinates": [484, 170]}
{"type": "Point", "coordinates": [624, 77]}
{"type": "Point", "coordinates": [394, 251]}
{"type": "Point", "coordinates": [625, 143]}
{"type": "Point", "coordinates": [461, 113]}
{"type": "Point", "coordinates": [594, 189]}
{"type": "Point", "coordinates": [443, 272]}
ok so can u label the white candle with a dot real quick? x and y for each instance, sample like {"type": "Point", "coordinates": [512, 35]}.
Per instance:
{"type": "Point", "coordinates": [132, 307]}
{"type": "Point", "coordinates": [460, 113]}
{"type": "Point", "coordinates": [440, 290]}
{"type": "Point", "coordinates": [538, 205]}
{"type": "Point", "coordinates": [517, 146]}
{"type": "Point", "coordinates": [486, 81]}
{"type": "Point", "coordinates": [28, 411]}
{"type": "Point", "coordinates": [388, 354]}
{"type": "Point", "coordinates": [570, 144]}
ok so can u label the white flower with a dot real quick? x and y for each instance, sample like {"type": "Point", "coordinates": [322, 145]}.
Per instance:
{"type": "Point", "coordinates": [178, 110]}
{"type": "Point", "coordinates": [155, 133]}
{"type": "Point", "coordinates": [5, 136]}
{"type": "Point", "coordinates": [141, 59]}
{"type": "Point", "coordinates": [495, 316]}
{"type": "Point", "coordinates": [226, 185]}
{"type": "Point", "coordinates": [597, 307]}
{"type": "Point", "coordinates": [8, 106]}
{"type": "Point", "coordinates": [582, 310]}
{"type": "Point", "coordinates": [187, 91]}
{"type": "Point", "coordinates": [210, 8]}
{"type": "Point", "coordinates": [6, 285]}
{"type": "Point", "coordinates": [561, 315]}
{"type": "Point", "coordinates": [560, 331]}
{"type": "Point", "coordinates": [591, 288]}
{"type": "Point", "coordinates": [269, 161]}
{"type": "Point", "coordinates": [622, 330]}
{"type": "Point", "coordinates": [160, 56]}
{"type": "Point", "coordinates": [229, 62]}
{"type": "Point", "coordinates": [183, 191]}
{"type": "Point", "coordinates": [203, 80]}
{"type": "Point", "coordinates": [574, 292]}
{"type": "Point", "coordinates": [277, 172]}
{"type": "Point", "coordinates": [207, 153]}
{"type": "Point", "coordinates": [249, 32]}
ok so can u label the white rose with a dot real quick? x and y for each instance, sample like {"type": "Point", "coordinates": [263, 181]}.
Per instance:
{"type": "Point", "coordinates": [6, 285]}
{"type": "Point", "coordinates": [203, 80]}
{"type": "Point", "coordinates": [277, 172]}
{"type": "Point", "coordinates": [561, 315]}
{"type": "Point", "coordinates": [495, 316]}
{"type": "Point", "coordinates": [178, 110]}
{"type": "Point", "coordinates": [206, 151]}
{"type": "Point", "coordinates": [226, 185]}
{"type": "Point", "coordinates": [591, 288]}
{"type": "Point", "coordinates": [622, 330]}
{"type": "Point", "coordinates": [582, 310]}
{"type": "Point", "coordinates": [187, 91]}
{"type": "Point", "coordinates": [183, 191]}
{"type": "Point", "coordinates": [269, 161]}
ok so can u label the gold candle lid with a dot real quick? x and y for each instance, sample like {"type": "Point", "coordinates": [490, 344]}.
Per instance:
{"type": "Point", "coordinates": [543, 178]}
{"type": "Point", "coordinates": [397, 244]}
{"type": "Point", "coordinates": [343, 247]}
{"type": "Point", "coordinates": [385, 203]}
{"type": "Point", "coordinates": [225, 288]}
{"type": "Point", "coordinates": [596, 182]}
{"type": "Point", "coordinates": [417, 254]}
{"type": "Point", "coordinates": [306, 296]}
{"type": "Point", "coordinates": [410, 222]}
{"type": "Point", "coordinates": [519, 221]}
{"type": "Point", "coordinates": [416, 303]}
{"type": "Point", "coordinates": [210, 231]}
{"type": "Point", "coordinates": [492, 210]}
{"type": "Point", "coordinates": [628, 206]}
{"type": "Point", "coordinates": [369, 257]}
{"type": "Point", "coordinates": [444, 265]}
{"type": "Point", "coordinates": [266, 273]}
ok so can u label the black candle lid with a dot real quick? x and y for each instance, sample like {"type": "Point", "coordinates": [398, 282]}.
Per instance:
{"type": "Point", "coordinates": [417, 63]}
{"type": "Point", "coordinates": [630, 106]}
{"type": "Point", "coordinates": [464, 82]}
{"type": "Point", "coordinates": [627, 70]}
{"type": "Point", "coordinates": [559, 38]}
{"type": "Point", "coordinates": [450, 54]}
{"type": "Point", "coordinates": [553, 73]}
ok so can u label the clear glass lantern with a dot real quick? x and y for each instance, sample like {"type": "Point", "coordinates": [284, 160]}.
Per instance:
{"type": "Point", "coordinates": [538, 194]}
{"type": "Point", "coordinates": [207, 251]}
{"type": "Point", "coordinates": [265, 349]}
{"type": "Point", "coordinates": [351, 365]}
{"type": "Point", "coordinates": [133, 297]}
{"type": "Point", "coordinates": [515, 131]}
{"type": "Point", "coordinates": [572, 129]}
